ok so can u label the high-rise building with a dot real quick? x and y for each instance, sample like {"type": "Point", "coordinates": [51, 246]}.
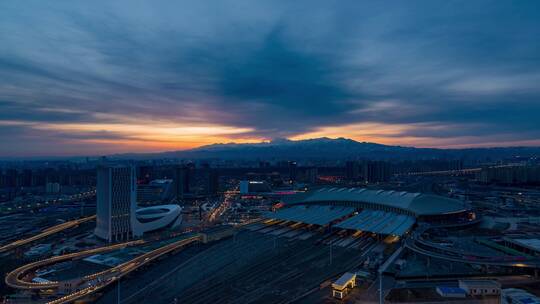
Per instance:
{"type": "Point", "coordinates": [212, 182]}
{"type": "Point", "coordinates": [311, 175]}
{"type": "Point", "coordinates": [244, 187]}
{"type": "Point", "coordinates": [157, 191]}
{"type": "Point", "coordinates": [247, 187]}
{"type": "Point", "coordinates": [145, 174]}
{"type": "Point", "coordinates": [510, 175]}
{"type": "Point", "coordinates": [352, 170]}
{"type": "Point", "coordinates": [116, 203]}
{"type": "Point", "coordinates": [11, 178]}
{"type": "Point", "coordinates": [28, 179]}
{"type": "Point", "coordinates": [52, 188]}
{"type": "Point", "coordinates": [293, 171]}
{"type": "Point", "coordinates": [264, 164]}
{"type": "Point", "coordinates": [181, 181]}
{"type": "Point", "coordinates": [2, 179]}
{"type": "Point", "coordinates": [375, 171]}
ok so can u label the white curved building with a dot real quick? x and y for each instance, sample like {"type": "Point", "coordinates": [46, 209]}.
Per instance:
{"type": "Point", "coordinates": [157, 217]}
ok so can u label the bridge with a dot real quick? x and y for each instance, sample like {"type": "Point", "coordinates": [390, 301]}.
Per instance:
{"type": "Point", "coordinates": [46, 233]}
{"type": "Point", "coordinates": [97, 281]}
{"type": "Point", "coordinates": [15, 279]}
{"type": "Point", "coordinates": [418, 245]}
{"type": "Point", "coordinates": [103, 279]}
{"type": "Point", "coordinates": [467, 171]}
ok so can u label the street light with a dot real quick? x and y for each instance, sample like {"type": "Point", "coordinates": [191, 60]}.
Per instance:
{"type": "Point", "coordinates": [381, 301]}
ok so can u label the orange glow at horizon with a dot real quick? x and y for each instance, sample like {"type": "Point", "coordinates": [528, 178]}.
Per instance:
{"type": "Point", "coordinates": [129, 134]}
{"type": "Point", "coordinates": [151, 136]}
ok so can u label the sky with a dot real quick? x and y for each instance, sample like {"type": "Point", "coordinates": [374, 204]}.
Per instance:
{"type": "Point", "coordinates": [103, 77]}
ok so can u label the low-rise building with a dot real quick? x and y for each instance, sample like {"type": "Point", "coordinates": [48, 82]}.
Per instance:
{"type": "Point", "coordinates": [480, 287]}
{"type": "Point", "coordinates": [217, 233]}
{"type": "Point", "coordinates": [343, 285]}
{"type": "Point", "coordinates": [530, 246]}
{"type": "Point", "coordinates": [513, 295]}
{"type": "Point", "coordinates": [70, 286]}
{"type": "Point", "coordinates": [451, 292]}
{"type": "Point", "coordinates": [38, 250]}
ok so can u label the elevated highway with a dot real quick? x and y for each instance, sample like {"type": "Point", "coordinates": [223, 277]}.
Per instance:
{"type": "Point", "coordinates": [467, 171]}
{"type": "Point", "coordinates": [433, 250]}
{"type": "Point", "coordinates": [15, 279]}
{"type": "Point", "coordinates": [47, 232]}
{"type": "Point", "coordinates": [103, 279]}
{"type": "Point", "coordinates": [91, 283]}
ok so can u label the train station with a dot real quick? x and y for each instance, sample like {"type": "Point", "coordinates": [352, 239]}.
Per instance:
{"type": "Point", "coordinates": [386, 213]}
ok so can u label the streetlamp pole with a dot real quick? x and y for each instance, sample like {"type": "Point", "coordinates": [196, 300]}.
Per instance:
{"type": "Point", "coordinates": [331, 253]}
{"type": "Point", "coordinates": [380, 288]}
{"type": "Point", "coordinates": [118, 294]}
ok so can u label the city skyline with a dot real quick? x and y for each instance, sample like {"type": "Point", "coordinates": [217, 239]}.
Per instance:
{"type": "Point", "coordinates": [80, 79]}
{"type": "Point", "coordinates": [271, 151]}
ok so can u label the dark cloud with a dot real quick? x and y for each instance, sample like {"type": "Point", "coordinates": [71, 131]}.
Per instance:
{"type": "Point", "coordinates": [273, 67]}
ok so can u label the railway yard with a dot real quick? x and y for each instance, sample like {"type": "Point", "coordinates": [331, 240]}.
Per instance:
{"type": "Point", "coordinates": [255, 265]}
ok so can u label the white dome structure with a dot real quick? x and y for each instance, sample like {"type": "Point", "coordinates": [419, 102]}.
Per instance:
{"type": "Point", "coordinates": [157, 217]}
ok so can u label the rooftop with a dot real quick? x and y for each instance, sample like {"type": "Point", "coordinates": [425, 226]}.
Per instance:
{"type": "Point", "coordinates": [344, 280]}
{"type": "Point", "coordinates": [379, 222]}
{"type": "Point", "coordinates": [318, 215]}
{"type": "Point", "coordinates": [480, 283]}
{"type": "Point", "coordinates": [418, 203]}
{"type": "Point", "coordinates": [520, 296]}
{"type": "Point", "coordinates": [533, 244]}
{"type": "Point", "coordinates": [447, 289]}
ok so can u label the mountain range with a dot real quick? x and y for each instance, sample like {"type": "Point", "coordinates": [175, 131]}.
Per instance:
{"type": "Point", "coordinates": [339, 148]}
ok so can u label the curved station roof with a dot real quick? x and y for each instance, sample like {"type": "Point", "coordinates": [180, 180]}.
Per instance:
{"type": "Point", "coordinates": [379, 222]}
{"type": "Point", "coordinates": [318, 215]}
{"type": "Point", "coordinates": [416, 203]}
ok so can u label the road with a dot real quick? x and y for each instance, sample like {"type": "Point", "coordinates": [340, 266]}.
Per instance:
{"type": "Point", "coordinates": [96, 281]}
{"type": "Point", "coordinates": [458, 171]}
{"type": "Point", "coordinates": [219, 210]}
{"type": "Point", "coordinates": [454, 282]}
{"type": "Point", "coordinates": [103, 279]}
{"type": "Point", "coordinates": [14, 279]}
{"type": "Point", "coordinates": [47, 232]}
{"type": "Point", "coordinates": [450, 254]}
{"type": "Point", "coordinates": [13, 207]}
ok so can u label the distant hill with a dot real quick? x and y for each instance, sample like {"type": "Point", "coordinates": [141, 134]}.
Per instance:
{"type": "Point", "coordinates": [339, 148]}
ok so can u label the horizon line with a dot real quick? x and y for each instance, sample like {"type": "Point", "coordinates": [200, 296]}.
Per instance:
{"type": "Point", "coordinates": [69, 156]}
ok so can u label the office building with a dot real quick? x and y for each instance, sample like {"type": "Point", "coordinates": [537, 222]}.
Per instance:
{"type": "Point", "coordinates": [116, 203]}
{"type": "Point", "coordinates": [181, 181]}
{"type": "Point", "coordinates": [145, 174]}
{"type": "Point", "coordinates": [251, 187]}
{"type": "Point", "coordinates": [375, 171]}
{"type": "Point", "coordinates": [352, 170]}
{"type": "Point", "coordinates": [311, 175]}
{"type": "Point", "coordinates": [293, 171]}
{"type": "Point", "coordinates": [52, 188]}
{"type": "Point", "coordinates": [516, 175]}
{"type": "Point", "coordinates": [156, 191]}
{"type": "Point", "coordinates": [212, 182]}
